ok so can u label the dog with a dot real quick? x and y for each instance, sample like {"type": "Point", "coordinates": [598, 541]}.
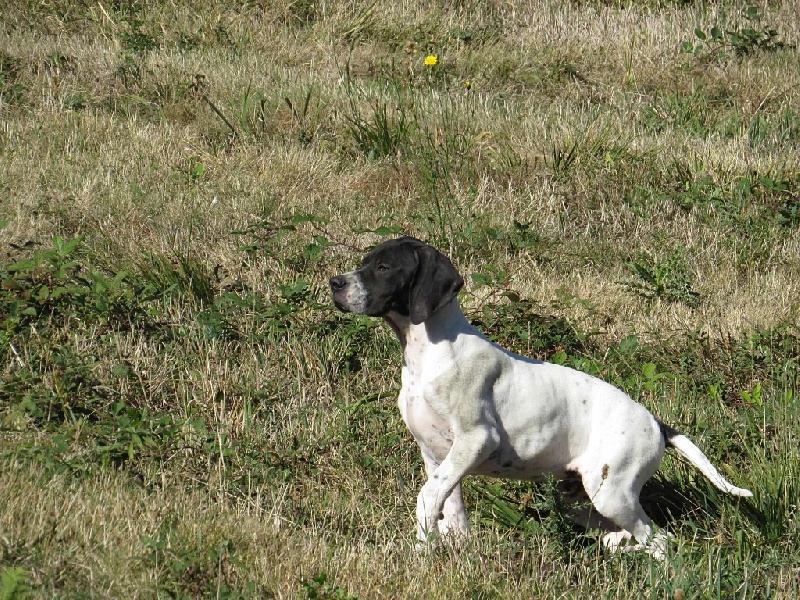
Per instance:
{"type": "Point", "coordinates": [476, 408]}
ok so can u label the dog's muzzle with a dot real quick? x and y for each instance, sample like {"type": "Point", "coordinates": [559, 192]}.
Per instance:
{"type": "Point", "coordinates": [348, 293]}
{"type": "Point", "coordinates": [338, 285]}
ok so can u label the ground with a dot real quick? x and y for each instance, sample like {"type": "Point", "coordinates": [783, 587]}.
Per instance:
{"type": "Point", "coordinates": [185, 414]}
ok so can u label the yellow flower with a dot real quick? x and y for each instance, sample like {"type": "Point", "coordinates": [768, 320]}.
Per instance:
{"type": "Point", "coordinates": [431, 60]}
{"type": "Point", "coordinates": [468, 84]}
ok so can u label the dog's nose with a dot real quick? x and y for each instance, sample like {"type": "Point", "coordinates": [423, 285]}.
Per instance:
{"type": "Point", "coordinates": [337, 283]}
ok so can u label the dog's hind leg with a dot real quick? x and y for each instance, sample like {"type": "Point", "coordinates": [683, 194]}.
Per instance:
{"type": "Point", "coordinates": [617, 499]}
{"type": "Point", "coordinates": [585, 515]}
{"type": "Point", "coordinates": [624, 510]}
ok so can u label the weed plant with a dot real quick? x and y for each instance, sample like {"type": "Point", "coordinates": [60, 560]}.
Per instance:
{"type": "Point", "coordinates": [183, 413]}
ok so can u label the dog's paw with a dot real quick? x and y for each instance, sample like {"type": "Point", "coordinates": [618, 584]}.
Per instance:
{"type": "Point", "coordinates": [426, 543]}
{"type": "Point", "coordinates": [453, 529]}
{"type": "Point", "coordinates": [657, 545]}
{"type": "Point", "coordinates": [617, 540]}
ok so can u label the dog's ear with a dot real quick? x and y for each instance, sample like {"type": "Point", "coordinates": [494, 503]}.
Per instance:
{"type": "Point", "coordinates": [436, 283]}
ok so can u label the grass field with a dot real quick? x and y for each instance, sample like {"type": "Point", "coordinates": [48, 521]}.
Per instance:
{"type": "Point", "coordinates": [183, 414]}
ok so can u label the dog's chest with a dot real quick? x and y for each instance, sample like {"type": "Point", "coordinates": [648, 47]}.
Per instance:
{"type": "Point", "coordinates": [431, 430]}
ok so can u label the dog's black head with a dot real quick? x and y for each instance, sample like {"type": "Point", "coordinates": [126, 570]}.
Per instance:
{"type": "Point", "coordinates": [404, 275]}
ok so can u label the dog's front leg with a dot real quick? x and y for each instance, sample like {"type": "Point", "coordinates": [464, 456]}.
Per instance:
{"type": "Point", "coordinates": [454, 522]}
{"type": "Point", "coordinates": [469, 450]}
{"type": "Point", "coordinates": [454, 516]}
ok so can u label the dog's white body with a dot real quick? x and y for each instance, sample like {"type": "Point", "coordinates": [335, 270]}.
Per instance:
{"type": "Point", "coordinates": [476, 408]}
{"type": "Point", "coordinates": [537, 417]}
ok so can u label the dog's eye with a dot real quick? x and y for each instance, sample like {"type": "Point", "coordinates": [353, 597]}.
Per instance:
{"type": "Point", "coordinates": [382, 268]}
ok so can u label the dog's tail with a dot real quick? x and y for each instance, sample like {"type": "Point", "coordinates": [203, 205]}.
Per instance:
{"type": "Point", "coordinates": [693, 454]}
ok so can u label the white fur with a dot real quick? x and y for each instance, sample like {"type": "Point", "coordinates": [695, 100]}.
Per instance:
{"type": "Point", "coordinates": [475, 408]}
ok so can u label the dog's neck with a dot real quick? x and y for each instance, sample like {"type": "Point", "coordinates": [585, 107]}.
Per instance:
{"type": "Point", "coordinates": [443, 326]}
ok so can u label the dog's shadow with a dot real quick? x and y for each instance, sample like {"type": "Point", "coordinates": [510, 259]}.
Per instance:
{"type": "Point", "coordinates": [670, 505]}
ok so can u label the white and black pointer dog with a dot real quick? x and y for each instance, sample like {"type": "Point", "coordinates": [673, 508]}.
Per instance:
{"type": "Point", "coordinates": [476, 408]}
